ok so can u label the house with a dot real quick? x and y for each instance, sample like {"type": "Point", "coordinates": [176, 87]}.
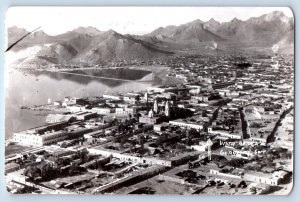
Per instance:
{"type": "Point", "coordinates": [85, 115]}
{"type": "Point", "coordinates": [30, 137]}
{"type": "Point", "coordinates": [149, 120]}
{"type": "Point", "coordinates": [260, 177]}
{"type": "Point", "coordinates": [55, 118]}
{"type": "Point", "coordinates": [11, 167]}
{"type": "Point", "coordinates": [131, 98]}
{"type": "Point", "coordinates": [103, 110]}
{"type": "Point", "coordinates": [202, 146]}
{"type": "Point", "coordinates": [184, 123]}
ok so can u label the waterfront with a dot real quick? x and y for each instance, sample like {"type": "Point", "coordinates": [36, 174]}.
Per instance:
{"type": "Point", "coordinates": [37, 88]}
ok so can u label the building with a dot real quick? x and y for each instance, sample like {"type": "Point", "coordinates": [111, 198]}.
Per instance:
{"type": "Point", "coordinates": [178, 160]}
{"type": "Point", "coordinates": [113, 97]}
{"type": "Point", "coordinates": [222, 84]}
{"type": "Point", "coordinates": [30, 137]}
{"type": "Point", "coordinates": [199, 98]}
{"type": "Point", "coordinates": [202, 146]}
{"type": "Point", "coordinates": [126, 110]}
{"type": "Point", "coordinates": [56, 118]}
{"type": "Point", "coordinates": [218, 171]}
{"type": "Point", "coordinates": [94, 134]}
{"type": "Point", "coordinates": [229, 134]}
{"type": "Point", "coordinates": [77, 132]}
{"type": "Point", "coordinates": [260, 177]}
{"type": "Point", "coordinates": [103, 110]}
{"type": "Point", "coordinates": [150, 120]}
{"type": "Point", "coordinates": [75, 108]}
{"type": "Point", "coordinates": [61, 153]}
{"type": "Point", "coordinates": [131, 98]}
{"type": "Point", "coordinates": [146, 97]}
{"type": "Point", "coordinates": [151, 114]}
{"type": "Point", "coordinates": [186, 124]}
{"type": "Point", "coordinates": [11, 167]}
{"type": "Point", "coordinates": [85, 115]}
{"type": "Point", "coordinates": [160, 127]}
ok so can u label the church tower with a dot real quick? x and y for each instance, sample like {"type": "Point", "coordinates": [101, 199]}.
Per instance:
{"type": "Point", "coordinates": [167, 109]}
{"type": "Point", "coordinates": [150, 115]}
{"type": "Point", "coordinates": [146, 97]}
{"type": "Point", "coordinates": [155, 107]}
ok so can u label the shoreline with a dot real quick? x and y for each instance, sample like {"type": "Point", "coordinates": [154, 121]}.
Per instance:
{"type": "Point", "coordinates": [159, 77]}
{"type": "Point", "coordinates": [159, 72]}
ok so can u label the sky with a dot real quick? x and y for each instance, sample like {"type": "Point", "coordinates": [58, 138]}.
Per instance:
{"type": "Point", "coordinates": [125, 20]}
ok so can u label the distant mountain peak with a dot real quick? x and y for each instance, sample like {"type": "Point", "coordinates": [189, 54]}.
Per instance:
{"type": "Point", "coordinates": [275, 15]}
{"type": "Point", "coordinates": [212, 20]}
{"type": "Point", "coordinates": [39, 33]}
{"type": "Point", "coordinates": [236, 20]}
{"type": "Point", "coordinates": [87, 30]}
{"type": "Point", "coordinates": [111, 32]}
{"type": "Point", "coordinates": [211, 25]}
{"type": "Point", "coordinates": [195, 22]}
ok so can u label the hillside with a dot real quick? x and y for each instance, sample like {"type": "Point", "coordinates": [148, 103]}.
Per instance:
{"type": "Point", "coordinates": [88, 45]}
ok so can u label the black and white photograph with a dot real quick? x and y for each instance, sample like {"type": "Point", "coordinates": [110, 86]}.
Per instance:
{"type": "Point", "coordinates": [149, 100]}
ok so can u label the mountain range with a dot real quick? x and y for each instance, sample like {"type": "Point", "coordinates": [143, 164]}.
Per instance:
{"type": "Point", "coordinates": [88, 45]}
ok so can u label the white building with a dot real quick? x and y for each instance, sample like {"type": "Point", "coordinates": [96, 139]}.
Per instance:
{"type": "Point", "coordinates": [29, 137]}
{"type": "Point", "coordinates": [103, 110]}
{"type": "Point", "coordinates": [113, 97]}
{"type": "Point", "coordinates": [184, 124]}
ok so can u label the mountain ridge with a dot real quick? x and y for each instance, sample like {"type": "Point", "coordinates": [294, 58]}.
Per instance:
{"type": "Point", "coordinates": [89, 45]}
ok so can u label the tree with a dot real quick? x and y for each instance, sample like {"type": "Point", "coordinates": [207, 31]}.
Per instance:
{"type": "Point", "coordinates": [121, 128]}
{"type": "Point", "coordinates": [163, 138]}
{"type": "Point", "coordinates": [122, 142]}
{"type": "Point", "coordinates": [72, 169]}
{"type": "Point", "coordinates": [137, 116]}
{"type": "Point", "coordinates": [253, 190]}
{"type": "Point", "coordinates": [32, 172]}
{"type": "Point", "coordinates": [46, 172]}
{"type": "Point", "coordinates": [192, 133]}
{"type": "Point", "coordinates": [83, 155]}
{"type": "Point", "coordinates": [235, 162]}
{"type": "Point", "coordinates": [19, 161]}
{"type": "Point", "coordinates": [255, 125]}
{"type": "Point", "coordinates": [189, 142]}
{"type": "Point", "coordinates": [132, 146]}
{"type": "Point", "coordinates": [115, 121]}
{"type": "Point", "coordinates": [286, 155]}
{"type": "Point", "coordinates": [32, 157]}
{"type": "Point", "coordinates": [180, 147]}
{"type": "Point", "coordinates": [142, 141]}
